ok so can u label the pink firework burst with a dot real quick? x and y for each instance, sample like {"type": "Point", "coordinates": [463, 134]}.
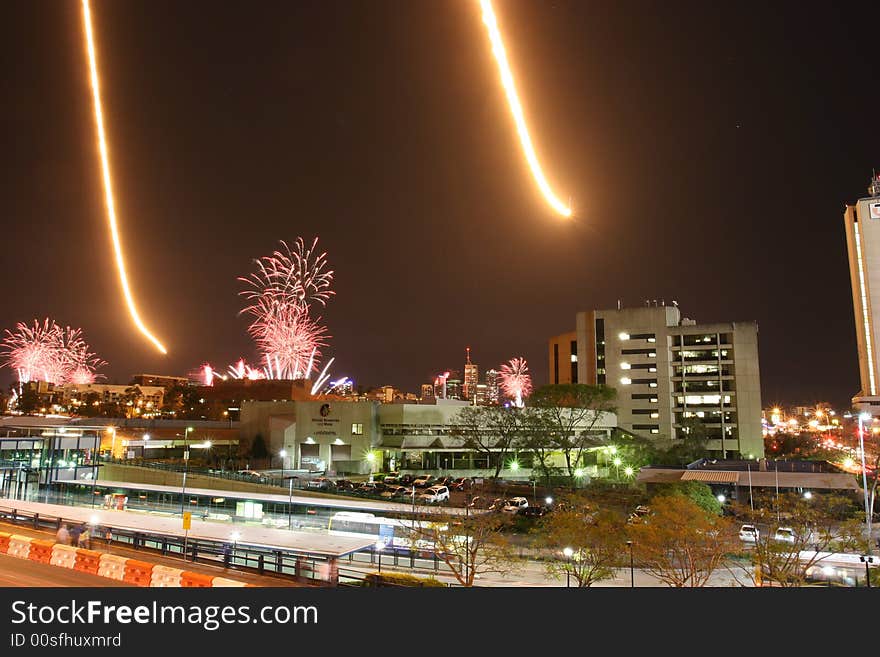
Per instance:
{"type": "Point", "coordinates": [516, 382]}
{"type": "Point", "coordinates": [290, 277]}
{"type": "Point", "coordinates": [280, 295]}
{"type": "Point", "coordinates": [47, 352]}
{"type": "Point", "coordinates": [290, 342]}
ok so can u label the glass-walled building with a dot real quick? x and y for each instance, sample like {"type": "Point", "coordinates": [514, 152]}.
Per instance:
{"type": "Point", "coordinates": [33, 456]}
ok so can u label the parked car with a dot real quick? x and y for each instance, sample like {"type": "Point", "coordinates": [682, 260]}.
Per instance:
{"type": "Point", "coordinates": [321, 483]}
{"type": "Point", "coordinates": [462, 484]}
{"type": "Point", "coordinates": [370, 488]}
{"type": "Point", "coordinates": [784, 534]}
{"type": "Point", "coordinates": [396, 491]}
{"type": "Point", "coordinates": [749, 534]}
{"type": "Point", "coordinates": [345, 484]}
{"type": "Point", "coordinates": [406, 479]}
{"type": "Point", "coordinates": [533, 511]}
{"type": "Point", "coordinates": [477, 502]}
{"type": "Point", "coordinates": [444, 481]}
{"type": "Point", "coordinates": [423, 481]}
{"type": "Point", "coordinates": [435, 494]}
{"type": "Point", "coordinates": [514, 504]}
{"type": "Point", "coordinates": [497, 504]}
{"type": "Point", "coordinates": [252, 474]}
{"type": "Point", "coordinates": [391, 480]}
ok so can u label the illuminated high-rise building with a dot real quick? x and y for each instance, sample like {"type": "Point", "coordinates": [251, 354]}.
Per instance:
{"type": "Point", "coordinates": [493, 387]}
{"type": "Point", "coordinates": [862, 224]}
{"type": "Point", "coordinates": [471, 378]}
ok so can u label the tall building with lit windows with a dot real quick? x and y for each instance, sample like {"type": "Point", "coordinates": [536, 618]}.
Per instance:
{"type": "Point", "coordinates": [669, 372]}
{"type": "Point", "coordinates": [862, 224]}
{"type": "Point", "coordinates": [471, 378]}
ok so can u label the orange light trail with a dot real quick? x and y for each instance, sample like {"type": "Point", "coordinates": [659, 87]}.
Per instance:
{"type": "Point", "coordinates": [516, 110]}
{"type": "Point", "coordinates": [108, 187]}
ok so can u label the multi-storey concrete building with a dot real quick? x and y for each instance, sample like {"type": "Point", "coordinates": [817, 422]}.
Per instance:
{"type": "Point", "coordinates": [669, 372]}
{"type": "Point", "coordinates": [471, 378]}
{"type": "Point", "coordinates": [862, 225]}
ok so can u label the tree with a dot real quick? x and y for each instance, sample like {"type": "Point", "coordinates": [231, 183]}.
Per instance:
{"type": "Point", "coordinates": [565, 415]}
{"type": "Point", "coordinates": [680, 543]}
{"type": "Point", "coordinates": [490, 430]}
{"type": "Point", "coordinates": [470, 546]}
{"type": "Point", "coordinates": [594, 537]}
{"type": "Point", "coordinates": [815, 526]}
{"type": "Point", "coordinates": [691, 447]}
{"type": "Point", "coordinates": [258, 447]}
{"type": "Point", "coordinates": [696, 491]}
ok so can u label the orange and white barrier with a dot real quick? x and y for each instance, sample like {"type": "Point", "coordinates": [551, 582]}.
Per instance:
{"type": "Point", "coordinates": [137, 572]}
{"type": "Point", "coordinates": [41, 550]}
{"type": "Point", "coordinates": [112, 566]}
{"type": "Point", "coordinates": [19, 546]}
{"type": "Point", "coordinates": [223, 582]}
{"type": "Point", "coordinates": [63, 556]}
{"type": "Point", "coordinates": [164, 576]}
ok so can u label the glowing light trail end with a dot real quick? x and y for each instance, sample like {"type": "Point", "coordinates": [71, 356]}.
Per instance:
{"type": "Point", "coordinates": [108, 188]}
{"type": "Point", "coordinates": [516, 109]}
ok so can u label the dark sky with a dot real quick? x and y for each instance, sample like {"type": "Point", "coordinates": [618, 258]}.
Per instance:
{"type": "Point", "coordinates": [708, 149]}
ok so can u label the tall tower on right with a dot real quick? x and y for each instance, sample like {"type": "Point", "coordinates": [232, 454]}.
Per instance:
{"type": "Point", "coordinates": [862, 223]}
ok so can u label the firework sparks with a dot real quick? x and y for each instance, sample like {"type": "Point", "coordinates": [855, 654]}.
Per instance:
{"type": "Point", "coordinates": [516, 382]}
{"type": "Point", "coordinates": [47, 352]}
{"type": "Point", "coordinates": [108, 186]}
{"type": "Point", "coordinates": [516, 110]}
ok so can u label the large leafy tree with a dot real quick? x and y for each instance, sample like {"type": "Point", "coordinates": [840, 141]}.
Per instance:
{"type": "Point", "coordinates": [562, 419]}
{"type": "Point", "coordinates": [585, 542]}
{"type": "Point", "coordinates": [680, 543]}
{"type": "Point", "coordinates": [470, 545]}
{"type": "Point", "coordinates": [490, 430]}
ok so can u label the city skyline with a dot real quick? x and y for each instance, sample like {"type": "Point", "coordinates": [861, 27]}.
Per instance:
{"type": "Point", "coordinates": [427, 213]}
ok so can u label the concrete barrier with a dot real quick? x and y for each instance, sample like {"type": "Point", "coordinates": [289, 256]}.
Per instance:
{"type": "Point", "coordinates": [163, 576]}
{"type": "Point", "coordinates": [63, 556]}
{"type": "Point", "coordinates": [87, 561]}
{"type": "Point", "coordinates": [19, 546]}
{"type": "Point", "coordinates": [41, 551]}
{"type": "Point", "coordinates": [4, 542]}
{"type": "Point", "coordinates": [112, 566]}
{"type": "Point", "coordinates": [218, 582]}
{"type": "Point", "coordinates": [190, 579]}
{"type": "Point", "coordinates": [139, 573]}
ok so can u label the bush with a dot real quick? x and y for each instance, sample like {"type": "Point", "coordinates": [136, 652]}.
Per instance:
{"type": "Point", "coordinates": [400, 579]}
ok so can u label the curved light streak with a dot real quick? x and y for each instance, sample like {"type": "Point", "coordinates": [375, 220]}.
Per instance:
{"type": "Point", "coordinates": [516, 110]}
{"type": "Point", "coordinates": [108, 187]}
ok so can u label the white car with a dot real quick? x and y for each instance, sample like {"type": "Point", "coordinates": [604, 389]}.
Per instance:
{"type": "Point", "coordinates": [749, 534]}
{"type": "Point", "coordinates": [784, 534]}
{"type": "Point", "coordinates": [514, 504]}
{"type": "Point", "coordinates": [435, 494]}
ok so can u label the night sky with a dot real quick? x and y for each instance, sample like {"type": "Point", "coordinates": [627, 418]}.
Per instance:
{"type": "Point", "coordinates": [708, 149]}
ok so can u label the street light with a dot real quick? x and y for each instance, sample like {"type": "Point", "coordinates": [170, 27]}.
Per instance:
{"type": "Point", "coordinates": [862, 418]}
{"type": "Point", "coordinates": [283, 455]}
{"type": "Point", "coordinates": [568, 552]}
{"type": "Point", "coordinates": [617, 463]}
{"type": "Point", "coordinates": [185, 467]}
{"type": "Point", "coordinates": [548, 500]}
{"type": "Point", "coordinates": [721, 499]}
{"type": "Point", "coordinates": [380, 545]}
{"type": "Point", "coordinates": [867, 559]}
{"type": "Point", "coordinates": [632, 572]}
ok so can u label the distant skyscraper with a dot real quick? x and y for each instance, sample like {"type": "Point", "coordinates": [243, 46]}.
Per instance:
{"type": "Point", "coordinates": [427, 391]}
{"type": "Point", "coordinates": [862, 224]}
{"type": "Point", "coordinates": [471, 378]}
{"type": "Point", "coordinates": [493, 392]}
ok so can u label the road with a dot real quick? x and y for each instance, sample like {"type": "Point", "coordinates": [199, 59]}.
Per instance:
{"type": "Point", "coordinates": [23, 572]}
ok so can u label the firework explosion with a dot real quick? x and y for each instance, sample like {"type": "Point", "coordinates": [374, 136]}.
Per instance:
{"type": "Point", "coordinates": [516, 382]}
{"type": "Point", "coordinates": [47, 352]}
{"type": "Point", "coordinates": [280, 296]}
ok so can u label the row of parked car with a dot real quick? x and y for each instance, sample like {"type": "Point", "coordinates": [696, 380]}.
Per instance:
{"type": "Point", "coordinates": [751, 534]}
{"type": "Point", "coordinates": [431, 494]}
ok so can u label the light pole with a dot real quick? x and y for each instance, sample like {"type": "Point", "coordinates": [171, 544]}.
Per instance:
{"type": "Point", "coordinates": [380, 545]}
{"type": "Point", "coordinates": [290, 504]}
{"type": "Point", "coordinates": [862, 418]}
{"type": "Point", "coordinates": [617, 463]}
{"type": "Point", "coordinates": [185, 467]}
{"type": "Point", "coordinates": [632, 572]}
{"type": "Point", "coordinates": [283, 455]}
{"type": "Point", "coordinates": [568, 552]}
{"type": "Point", "coordinates": [867, 559]}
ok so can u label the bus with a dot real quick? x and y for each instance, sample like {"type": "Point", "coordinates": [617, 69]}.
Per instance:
{"type": "Point", "coordinates": [392, 531]}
